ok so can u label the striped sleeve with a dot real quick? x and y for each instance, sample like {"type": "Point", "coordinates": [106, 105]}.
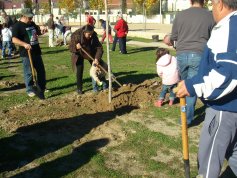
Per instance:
{"type": "Point", "coordinates": [217, 76]}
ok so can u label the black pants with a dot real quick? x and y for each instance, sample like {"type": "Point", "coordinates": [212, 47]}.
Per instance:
{"type": "Point", "coordinates": [122, 45]}
{"type": "Point", "coordinates": [80, 69]}
{"type": "Point", "coordinates": [114, 42]}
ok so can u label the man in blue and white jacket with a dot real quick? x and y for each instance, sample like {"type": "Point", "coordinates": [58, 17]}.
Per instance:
{"type": "Point", "coordinates": [216, 85]}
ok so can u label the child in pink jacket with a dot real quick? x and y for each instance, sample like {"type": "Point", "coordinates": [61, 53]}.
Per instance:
{"type": "Point", "coordinates": [167, 70]}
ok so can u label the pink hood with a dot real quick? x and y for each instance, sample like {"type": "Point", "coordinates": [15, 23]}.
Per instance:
{"type": "Point", "coordinates": [167, 69]}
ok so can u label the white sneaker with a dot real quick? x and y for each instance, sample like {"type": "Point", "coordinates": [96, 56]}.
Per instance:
{"type": "Point", "coordinates": [31, 94]}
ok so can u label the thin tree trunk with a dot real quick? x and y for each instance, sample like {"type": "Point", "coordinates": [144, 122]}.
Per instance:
{"type": "Point", "coordinates": [107, 45]}
{"type": "Point", "coordinates": [50, 8]}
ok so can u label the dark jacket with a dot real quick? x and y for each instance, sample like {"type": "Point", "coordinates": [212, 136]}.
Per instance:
{"type": "Point", "coordinates": [93, 46]}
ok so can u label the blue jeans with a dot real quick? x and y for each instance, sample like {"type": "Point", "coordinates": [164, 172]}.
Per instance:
{"type": "Point", "coordinates": [6, 45]}
{"type": "Point", "coordinates": [165, 89]}
{"type": "Point", "coordinates": [96, 87]}
{"type": "Point", "coordinates": [40, 73]}
{"type": "Point", "coordinates": [188, 64]}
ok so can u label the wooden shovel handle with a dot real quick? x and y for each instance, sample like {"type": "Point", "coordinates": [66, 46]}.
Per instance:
{"type": "Point", "coordinates": [31, 65]}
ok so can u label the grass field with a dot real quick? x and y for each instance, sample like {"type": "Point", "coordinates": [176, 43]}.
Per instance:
{"type": "Point", "coordinates": [145, 142]}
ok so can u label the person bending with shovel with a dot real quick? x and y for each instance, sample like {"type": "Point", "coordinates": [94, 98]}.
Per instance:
{"type": "Point", "coordinates": [25, 34]}
{"type": "Point", "coordinates": [85, 45]}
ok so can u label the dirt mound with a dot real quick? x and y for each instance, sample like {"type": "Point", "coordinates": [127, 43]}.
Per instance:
{"type": "Point", "coordinates": [72, 104]}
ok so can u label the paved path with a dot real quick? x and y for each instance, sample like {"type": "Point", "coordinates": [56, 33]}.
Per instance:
{"type": "Point", "coordinates": [141, 30]}
{"type": "Point", "coordinates": [151, 44]}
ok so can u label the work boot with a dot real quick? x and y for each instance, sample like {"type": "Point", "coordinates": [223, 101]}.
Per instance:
{"type": "Point", "coordinates": [80, 92]}
{"type": "Point", "coordinates": [41, 95]}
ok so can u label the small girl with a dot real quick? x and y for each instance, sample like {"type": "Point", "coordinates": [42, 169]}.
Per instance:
{"type": "Point", "coordinates": [167, 70]}
{"type": "Point", "coordinates": [98, 76]}
{"type": "Point", "coordinates": [6, 41]}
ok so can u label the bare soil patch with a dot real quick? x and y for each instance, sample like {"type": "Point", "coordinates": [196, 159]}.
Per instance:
{"type": "Point", "coordinates": [78, 119]}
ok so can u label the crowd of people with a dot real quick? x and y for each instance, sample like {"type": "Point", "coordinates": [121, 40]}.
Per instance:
{"type": "Point", "coordinates": [204, 67]}
{"type": "Point", "coordinates": [58, 31]}
{"type": "Point", "coordinates": [6, 45]}
{"type": "Point", "coordinates": [84, 44]}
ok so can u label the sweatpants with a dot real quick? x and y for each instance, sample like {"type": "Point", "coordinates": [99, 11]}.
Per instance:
{"type": "Point", "coordinates": [218, 141]}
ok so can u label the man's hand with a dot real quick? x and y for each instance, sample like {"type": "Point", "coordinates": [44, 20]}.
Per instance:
{"type": "Point", "coordinates": [78, 46]}
{"type": "Point", "coordinates": [27, 46]}
{"type": "Point", "coordinates": [182, 90]}
{"type": "Point", "coordinates": [167, 40]}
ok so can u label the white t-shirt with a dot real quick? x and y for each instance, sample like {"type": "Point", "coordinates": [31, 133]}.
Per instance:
{"type": "Point", "coordinates": [6, 34]}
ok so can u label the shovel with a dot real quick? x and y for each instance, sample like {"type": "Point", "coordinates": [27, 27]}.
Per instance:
{"type": "Point", "coordinates": [184, 135]}
{"type": "Point", "coordinates": [32, 68]}
{"type": "Point", "coordinates": [105, 71]}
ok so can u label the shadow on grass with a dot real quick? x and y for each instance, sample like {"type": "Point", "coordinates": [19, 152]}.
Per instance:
{"type": "Point", "coordinates": [125, 78]}
{"type": "Point", "coordinates": [135, 78]}
{"type": "Point", "coordinates": [37, 140]}
{"type": "Point", "coordinates": [79, 156]}
{"type": "Point", "coordinates": [57, 78]}
{"type": "Point", "coordinates": [10, 62]}
{"type": "Point", "coordinates": [8, 67]}
{"type": "Point", "coordinates": [86, 80]}
{"type": "Point", "coordinates": [15, 87]}
{"type": "Point", "coordinates": [142, 49]}
{"type": "Point", "coordinates": [6, 76]}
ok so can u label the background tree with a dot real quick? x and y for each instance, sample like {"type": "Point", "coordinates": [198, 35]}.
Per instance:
{"type": "Point", "coordinates": [79, 6]}
{"type": "Point", "coordinates": [207, 4]}
{"type": "Point", "coordinates": [50, 6]}
{"type": "Point", "coordinates": [2, 5]}
{"type": "Point", "coordinates": [96, 4]}
{"type": "Point", "coordinates": [28, 4]}
{"type": "Point", "coordinates": [67, 5]}
{"type": "Point", "coordinates": [123, 6]}
{"type": "Point", "coordinates": [44, 8]}
{"type": "Point", "coordinates": [154, 10]}
{"type": "Point", "coordinates": [147, 4]}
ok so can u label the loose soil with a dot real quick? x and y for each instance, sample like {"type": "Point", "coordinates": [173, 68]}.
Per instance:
{"type": "Point", "coordinates": [75, 119]}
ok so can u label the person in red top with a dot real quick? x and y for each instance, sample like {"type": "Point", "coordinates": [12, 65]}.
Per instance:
{"type": "Point", "coordinates": [90, 20]}
{"type": "Point", "coordinates": [121, 28]}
